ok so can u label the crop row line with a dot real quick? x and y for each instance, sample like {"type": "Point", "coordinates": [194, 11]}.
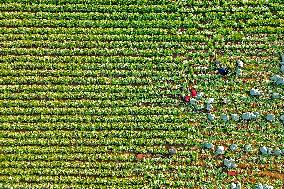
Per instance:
{"type": "Point", "coordinates": [169, 8]}
{"type": "Point", "coordinates": [115, 45]}
{"type": "Point", "coordinates": [228, 35]}
{"type": "Point", "coordinates": [137, 24]}
{"type": "Point", "coordinates": [212, 16]}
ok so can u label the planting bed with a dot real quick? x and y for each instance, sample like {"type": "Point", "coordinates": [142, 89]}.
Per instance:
{"type": "Point", "coordinates": [141, 94]}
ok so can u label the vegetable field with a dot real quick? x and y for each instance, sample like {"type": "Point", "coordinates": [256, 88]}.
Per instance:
{"type": "Point", "coordinates": [142, 94]}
